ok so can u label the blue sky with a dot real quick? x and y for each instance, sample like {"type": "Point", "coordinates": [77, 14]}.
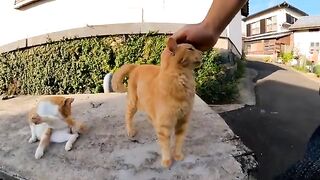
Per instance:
{"type": "Point", "coordinates": [311, 7]}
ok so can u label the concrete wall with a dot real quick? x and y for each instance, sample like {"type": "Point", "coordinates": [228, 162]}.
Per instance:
{"type": "Point", "coordinates": [47, 16]}
{"type": "Point", "coordinates": [302, 40]}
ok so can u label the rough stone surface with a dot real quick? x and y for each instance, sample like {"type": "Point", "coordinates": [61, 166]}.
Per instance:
{"type": "Point", "coordinates": [246, 88]}
{"type": "Point", "coordinates": [221, 108]}
{"type": "Point", "coordinates": [105, 152]}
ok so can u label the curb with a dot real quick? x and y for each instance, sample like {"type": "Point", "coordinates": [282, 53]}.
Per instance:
{"type": "Point", "coordinates": [309, 76]}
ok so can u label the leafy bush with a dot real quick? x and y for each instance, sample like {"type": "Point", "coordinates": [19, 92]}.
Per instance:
{"type": "Point", "coordinates": [214, 85]}
{"type": "Point", "coordinates": [316, 70]}
{"type": "Point", "coordinates": [240, 67]}
{"type": "Point", "coordinates": [79, 65]}
{"type": "Point", "coordinates": [286, 57]}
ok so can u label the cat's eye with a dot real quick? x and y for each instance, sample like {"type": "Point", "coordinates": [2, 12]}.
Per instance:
{"type": "Point", "coordinates": [191, 49]}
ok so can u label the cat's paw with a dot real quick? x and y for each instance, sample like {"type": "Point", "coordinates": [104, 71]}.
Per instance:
{"type": "Point", "coordinates": [166, 163]}
{"type": "Point", "coordinates": [68, 147]}
{"type": "Point", "coordinates": [178, 157]}
{"type": "Point", "coordinates": [32, 140]}
{"type": "Point", "coordinates": [131, 132]}
{"type": "Point", "coordinates": [39, 153]}
{"type": "Point", "coordinates": [70, 142]}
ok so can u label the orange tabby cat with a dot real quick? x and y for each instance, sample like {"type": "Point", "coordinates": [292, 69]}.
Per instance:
{"type": "Point", "coordinates": [51, 121]}
{"type": "Point", "coordinates": [165, 93]}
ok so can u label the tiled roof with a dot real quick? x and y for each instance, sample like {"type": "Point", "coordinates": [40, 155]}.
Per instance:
{"type": "Point", "coordinates": [267, 36]}
{"type": "Point", "coordinates": [279, 6]}
{"type": "Point", "coordinates": [306, 22]}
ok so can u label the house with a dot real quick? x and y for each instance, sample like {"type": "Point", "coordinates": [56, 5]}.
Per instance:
{"type": "Point", "coordinates": [306, 37]}
{"type": "Point", "coordinates": [34, 22]}
{"type": "Point", "coordinates": [267, 31]}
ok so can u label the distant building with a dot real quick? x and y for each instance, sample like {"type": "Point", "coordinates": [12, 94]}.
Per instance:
{"type": "Point", "coordinates": [267, 32]}
{"type": "Point", "coordinates": [306, 37]}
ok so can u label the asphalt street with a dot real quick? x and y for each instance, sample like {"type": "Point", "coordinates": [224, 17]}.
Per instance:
{"type": "Point", "coordinates": [279, 127]}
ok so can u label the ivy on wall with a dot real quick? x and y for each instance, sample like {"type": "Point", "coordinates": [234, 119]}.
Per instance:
{"type": "Point", "coordinates": [79, 65]}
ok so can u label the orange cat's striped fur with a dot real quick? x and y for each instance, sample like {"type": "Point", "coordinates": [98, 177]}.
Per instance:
{"type": "Point", "coordinates": [164, 92]}
{"type": "Point", "coordinates": [51, 121]}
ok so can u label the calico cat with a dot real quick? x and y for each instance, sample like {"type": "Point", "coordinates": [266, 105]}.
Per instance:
{"type": "Point", "coordinates": [51, 121]}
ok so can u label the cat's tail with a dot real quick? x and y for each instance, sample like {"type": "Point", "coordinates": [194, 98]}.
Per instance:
{"type": "Point", "coordinates": [107, 88]}
{"type": "Point", "coordinates": [114, 82]}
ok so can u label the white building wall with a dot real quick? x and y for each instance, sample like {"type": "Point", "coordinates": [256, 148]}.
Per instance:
{"type": "Point", "coordinates": [293, 13]}
{"type": "Point", "coordinates": [51, 16]}
{"type": "Point", "coordinates": [302, 41]}
{"type": "Point", "coordinates": [258, 18]}
{"type": "Point", "coordinates": [281, 18]}
{"type": "Point", "coordinates": [60, 15]}
{"type": "Point", "coordinates": [243, 28]}
{"type": "Point", "coordinates": [235, 33]}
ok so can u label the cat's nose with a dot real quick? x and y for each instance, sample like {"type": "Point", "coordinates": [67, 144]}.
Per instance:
{"type": "Point", "coordinates": [37, 122]}
{"type": "Point", "coordinates": [36, 119]}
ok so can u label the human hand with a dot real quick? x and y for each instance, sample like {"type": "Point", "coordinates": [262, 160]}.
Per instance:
{"type": "Point", "coordinates": [199, 35]}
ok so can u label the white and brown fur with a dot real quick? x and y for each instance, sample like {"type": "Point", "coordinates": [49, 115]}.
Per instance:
{"type": "Point", "coordinates": [51, 121]}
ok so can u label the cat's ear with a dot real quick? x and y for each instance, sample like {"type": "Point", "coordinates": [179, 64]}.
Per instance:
{"type": "Point", "coordinates": [68, 101]}
{"type": "Point", "coordinates": [172, 45]}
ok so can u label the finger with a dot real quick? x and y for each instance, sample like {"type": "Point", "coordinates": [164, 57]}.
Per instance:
{"type": "Point", "coordinates": [180, 36]}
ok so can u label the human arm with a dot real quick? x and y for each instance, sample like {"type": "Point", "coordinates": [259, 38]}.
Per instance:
{"type": "Point", "coordinates": [204, 35]}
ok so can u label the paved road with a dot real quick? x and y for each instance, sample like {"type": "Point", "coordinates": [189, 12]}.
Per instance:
{"type": "Point", "coordinates": [281, 123]}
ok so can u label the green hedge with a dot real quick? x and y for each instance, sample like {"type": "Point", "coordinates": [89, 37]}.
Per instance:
{"type": "Point", "coordinates": [316, 70]}
{"type": "Point", "coordinates": [79, 65]}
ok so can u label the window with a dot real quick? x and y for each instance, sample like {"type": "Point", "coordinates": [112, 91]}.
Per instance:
{"type": "Point", "coordinates": [314, 46]}
{"type": "Point", "coordinates": [291, 19]}
{"type": "Point", "coordinates": [255, 28]}
{"type": "Point", "coordinates": [271, 24]}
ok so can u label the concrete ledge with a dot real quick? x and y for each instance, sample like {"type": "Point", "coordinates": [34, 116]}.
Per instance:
{"type": "Point", "coordinates": [92, 30]}
{"type": "Point", "coordinates": [13, 46]}
{"type": "Point", "coordinates": [106, 153]}
{"type": "Point", "coordinates": [106, 30]}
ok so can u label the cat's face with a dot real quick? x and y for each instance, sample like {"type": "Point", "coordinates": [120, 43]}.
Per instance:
{"type": "Point", "coordinates": [64, 104]}
{"type": "Point", "coordinates": [181, 56]}
{"type": "Point", "coordinates": [54, 111]}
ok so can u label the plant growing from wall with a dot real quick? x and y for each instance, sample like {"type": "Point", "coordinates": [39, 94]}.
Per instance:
{"type": "Point", "coordinates": [286, 56]}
